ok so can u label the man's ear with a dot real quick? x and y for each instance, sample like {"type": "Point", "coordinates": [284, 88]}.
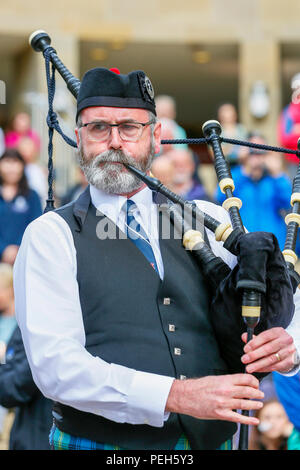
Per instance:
{"type": "Point", "coordinates": [77, 136]}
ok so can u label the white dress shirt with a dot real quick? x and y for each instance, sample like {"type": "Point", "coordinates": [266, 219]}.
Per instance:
{"type": "Point", "coordinates": [49, 314]}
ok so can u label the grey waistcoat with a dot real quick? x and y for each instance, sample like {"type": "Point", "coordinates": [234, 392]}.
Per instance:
{"type": "Point", "coordinates": [134, 319]}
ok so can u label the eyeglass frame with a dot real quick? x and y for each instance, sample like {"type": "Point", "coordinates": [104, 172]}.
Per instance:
{"type": "Point", "coordinates": [117, 125]}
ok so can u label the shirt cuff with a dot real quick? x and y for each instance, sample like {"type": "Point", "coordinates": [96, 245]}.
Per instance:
{"type": "Point", "coordinates": [291, 372]}
{"type": "Point", "coordinates": [147, 399]}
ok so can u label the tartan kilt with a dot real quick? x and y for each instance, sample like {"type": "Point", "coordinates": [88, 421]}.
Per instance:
{"type": "Point", "coordinates": [60, 440]}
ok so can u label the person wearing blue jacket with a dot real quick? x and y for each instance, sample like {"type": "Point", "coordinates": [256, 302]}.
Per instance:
{"type": "Point", "coordinates": [33, 417]}
{"type": "Point", "coordinates": [19, 205]}
{"type": "Point", "coordinates": [264, 189]}
{"type": "Point", "coordinates": [288, 391]}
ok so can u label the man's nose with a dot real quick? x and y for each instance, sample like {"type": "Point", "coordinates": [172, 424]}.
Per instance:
{"type": "Point", "coordinates": [114, 140]}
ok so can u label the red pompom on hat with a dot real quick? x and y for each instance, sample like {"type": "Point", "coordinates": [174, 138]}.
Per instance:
{"type": "Point", "coordinates": [114, 69]}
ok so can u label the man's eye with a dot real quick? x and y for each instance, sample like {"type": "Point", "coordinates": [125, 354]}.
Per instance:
{"type": "Point", "coordinates": [129, 127]}
{"type": "Point", "coordinates": [98, 127]}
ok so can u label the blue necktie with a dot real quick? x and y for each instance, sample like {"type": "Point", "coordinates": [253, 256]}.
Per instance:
{"type": "Point", "coordinates": [136, 233]}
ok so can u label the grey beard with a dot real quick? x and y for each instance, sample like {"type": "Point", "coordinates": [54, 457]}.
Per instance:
{"type": "Point", "coordinates": [111, 177]}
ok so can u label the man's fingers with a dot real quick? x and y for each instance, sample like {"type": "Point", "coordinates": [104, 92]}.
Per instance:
{"type": "Point", "coordinates": [245, 337]}
{"type": "Point", "coordinates": [248, 392]}
{"type": "Point", "coordinates": [213, 397]}
{"type": "Point", "coordinates": [278, 334]}
{"type": "Point", "coordinates": [269, 351]}
{"type": "Point", "coordinates": [233, 416]}
{"type": "Point", "coordinates": [245, 379]}
{"type": "Point", "coordinates": [242, 404]}
{"type": "Point", "coordinates": [280, 361]}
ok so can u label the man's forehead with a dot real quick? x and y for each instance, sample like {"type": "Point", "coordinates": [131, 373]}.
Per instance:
{"type": "Point", "coordinates": [109, 112]}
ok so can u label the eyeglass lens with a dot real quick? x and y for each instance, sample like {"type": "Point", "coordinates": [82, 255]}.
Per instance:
{"type": "Point", "coordinates": [101, 130]}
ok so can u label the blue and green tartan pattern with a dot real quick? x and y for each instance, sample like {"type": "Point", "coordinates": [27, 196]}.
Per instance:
{"type": "Point", "coordinates": [60, 440]}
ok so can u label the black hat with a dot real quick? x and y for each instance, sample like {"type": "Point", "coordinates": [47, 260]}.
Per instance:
{"type": "Point", "coordinates": [104, 87]}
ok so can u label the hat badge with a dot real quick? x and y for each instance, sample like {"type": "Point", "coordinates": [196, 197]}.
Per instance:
{"type": "Point", "coordinates": [149, 87]}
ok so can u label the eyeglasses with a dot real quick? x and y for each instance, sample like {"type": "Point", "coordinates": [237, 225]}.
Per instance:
{"type": "Point", "coordinates": [129, 131]}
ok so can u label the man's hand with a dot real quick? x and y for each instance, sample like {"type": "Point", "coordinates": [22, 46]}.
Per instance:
{"type": "Point", "coordinates": [215, 397]}
{"type": "Point", "coordinates": [271, 350]}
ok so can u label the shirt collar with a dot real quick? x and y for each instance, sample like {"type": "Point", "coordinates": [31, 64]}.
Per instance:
{"type": "Point", "coordinates": [111, 204]}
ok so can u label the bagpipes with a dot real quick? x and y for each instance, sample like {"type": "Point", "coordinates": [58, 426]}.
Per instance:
{"type": "Point", "coordinates": [258, 291]}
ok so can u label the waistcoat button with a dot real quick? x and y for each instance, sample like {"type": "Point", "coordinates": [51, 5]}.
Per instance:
{"type": "Point", "coordinates": [177, 351]}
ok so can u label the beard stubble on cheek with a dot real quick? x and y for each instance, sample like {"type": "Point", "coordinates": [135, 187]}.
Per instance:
{"type": "Point", "coordinates": [106, 171]}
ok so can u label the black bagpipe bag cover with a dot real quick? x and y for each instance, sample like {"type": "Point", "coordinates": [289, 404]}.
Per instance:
{"type": "Point", "coordinates": [260, 266]}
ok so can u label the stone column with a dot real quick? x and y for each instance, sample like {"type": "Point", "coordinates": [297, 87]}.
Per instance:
{"type": "Point", "coordinates": [260, 60]}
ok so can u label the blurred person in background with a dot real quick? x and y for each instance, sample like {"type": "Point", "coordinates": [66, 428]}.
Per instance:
{"type": "Point", "coordinates": [274, 431]}
{"type": "Point", "coordinates": [32, 412]}
{"type": "Point", "coordinates": [289, 126]}
{"type": "Point", "coordinates": [36, 175]}
{"type": "Point", "coordinates": [2, 142]}
{"type": "Point", "coordinates": [163, 169]}
{"type": "Point", "coordinates": [7, 307]}
{"type": "Point", "coordinates": [184, 182]}
{"type": "Point", "coordinates": [74, 192]}
{"type": "Point", "coordinates": [20, 127]}
{"type": "Point", "coordinates": [18, 392]}
{"type": "Point", "coordinates": [288, 392]}
{"type": "Point", "coordinates": [166, 109]}
{"type": "Point", "coordinates": [168, 131]}
{"type": "Point", "coordinates": [264, 190]}
{"type": "Point", "coordinates": [231, 129]}
{"type": "Point", "coordinates": [7, 320]}
{"type": "Point", "coordinates": [19, 205]}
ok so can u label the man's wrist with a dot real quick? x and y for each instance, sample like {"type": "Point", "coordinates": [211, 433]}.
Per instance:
{"type": "Point", "coordinates": [147, 397]}
{"type": "Point", "coordinates": [173, 401]}
{"type": "Point", "coordinates": [296, 367]}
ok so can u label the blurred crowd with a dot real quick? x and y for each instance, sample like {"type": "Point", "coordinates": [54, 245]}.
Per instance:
{"type": "Point", "coordinates": [263, 181]}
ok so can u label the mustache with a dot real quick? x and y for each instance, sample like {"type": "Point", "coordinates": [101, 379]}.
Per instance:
{"type": "Point", "coordinates": [113, 156]}
{"type": "Point", "coordinates": [118, 156]}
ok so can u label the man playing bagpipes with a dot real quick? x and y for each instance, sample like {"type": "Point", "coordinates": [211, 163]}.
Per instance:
{"type": "Point", "coordinates": [115, 318]}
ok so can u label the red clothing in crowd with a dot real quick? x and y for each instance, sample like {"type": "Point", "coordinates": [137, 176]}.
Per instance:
{"type": "Point", "coordinates": [286, 136]}
{"type": "Point", "coordinates": [13, 138]}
